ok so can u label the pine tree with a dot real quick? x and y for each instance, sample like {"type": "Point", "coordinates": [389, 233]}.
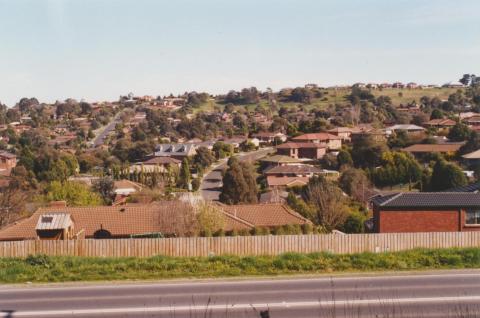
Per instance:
{"type": "Point", "coordinates": [185, 177]}
{"type": "Point", "coordinates": [239, 184]}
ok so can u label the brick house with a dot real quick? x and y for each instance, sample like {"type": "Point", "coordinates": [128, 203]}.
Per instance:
{"type": "Point", "coordinates": [8, 161]}
{"type": "Point", "coordinates": [331, 141]}
{"type": "Point", "coordinates": [141, 220]}
{"type": "Point", "coordinates": [342, 132]}
{"type": "Point", "coordinates": [426, 212]}
{"type": "Point", "coordinates": [308, 150]}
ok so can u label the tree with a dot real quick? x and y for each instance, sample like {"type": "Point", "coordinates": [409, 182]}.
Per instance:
{"type": "Point", "coordinates": [210, 218]}
{"type": "Point", "coordinates": [446, 175]}
{"type": "Point", "coordinates": [436, 114]}
{"type": "Point", "coordinates": [222, 150]}
{"type": "Point", "coordinates": [203, 158]}
{"type": "Point", "coordinates": [459, 132]}
{"type": "Point", "coordinates": [329, 203]}
{"type": "Point", "coordinates": [185, 177]}
{"type": "Point", "coordinates": [344, 158]}
{"type": "Point", "coordinates": [356, 184]}
{"type": "Point", "coordinates": [366, 152]}
{"type": "Point", "coordinates": [397, 168]}
{"type": "Point", "coordinates": [74, 193]}
{"type": "Point", "coordinates": [12, 204]}
{"type": "Point", "coordinates": [472, 144]}
{"type": "Point", "coordinates": [239, 184]}
{"type": "Point", "coordinates": [106, 188]}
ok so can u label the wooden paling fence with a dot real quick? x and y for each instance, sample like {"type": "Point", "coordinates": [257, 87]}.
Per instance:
{"type": "Point", "coordinates": [242, 245]}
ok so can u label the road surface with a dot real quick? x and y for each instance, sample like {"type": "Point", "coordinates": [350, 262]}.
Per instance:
{"type": "Point", "coordinates": [212, 182]}
{"type": "Point", "coordinates": [436, 294]}
{"type": "Point", "coordinates": [100, 138]}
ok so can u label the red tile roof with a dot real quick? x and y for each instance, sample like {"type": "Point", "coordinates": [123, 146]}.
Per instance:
{"type": "Point", "coordinates": [298, 145]}
{"type": "Point", "coordinates": [317, 136]}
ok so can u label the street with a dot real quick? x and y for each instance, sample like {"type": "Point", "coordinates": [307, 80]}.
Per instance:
{"type": "Point", "coordinates": [212, 182]}
{"type": "Point", "coordinates": [435, 294]}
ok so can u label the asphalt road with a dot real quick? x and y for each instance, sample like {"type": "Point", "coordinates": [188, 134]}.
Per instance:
{"type": "Point", "coordinates": [212, 182]}
{"type": "Point", "coordinates": [100, 138]}
{"type": "Point", "coordinates": [437, 294]}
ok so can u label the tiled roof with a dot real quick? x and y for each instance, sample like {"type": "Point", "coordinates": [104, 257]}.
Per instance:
{"type": "Point", "coordinates": [472, 187]}
{"type": "Point", "coordinates": [280, 159]}
{"type": "Point", "coordinates": [428, 200]}
{"type": "Point", "coordinates": [274, 181]}
{"type": "Point", "coordinates": [472, 155]}
{"type": "Point", "coordinates": [434, 147]}
{"type": "Point", "coordinates": [8, 155]}
{"type": "Point", "coordinates": [317, 136]}
{"type": "Point", "coordinates": [158, 217]}
{"type": "Point", "coordinates": [298, 145]}
{"type": "Point", "coordinates": [293, 169]}
{"type": "Point", "coordinates": [441, 122]}
{"type": "Point", "coordinates": [341, 130]}
{"type": "Point", "coordinates": [127, 184]}
{"type": "Point", "coordinates": [265, 214]}
{"type": "Point", "coordinates": [161, 161]}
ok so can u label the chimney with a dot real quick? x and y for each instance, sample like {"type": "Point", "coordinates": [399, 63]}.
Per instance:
{"type": "Point", "coordinates": [58, 204]}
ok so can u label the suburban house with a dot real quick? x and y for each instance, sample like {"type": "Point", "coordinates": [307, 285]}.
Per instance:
{"type": "Point", "coordinates": [290, 175]}
{"type": "Point", "coordinates": [177, 151]}
{"type": "Point", "coordinates": [420, 150]}
{"type": "Point", "coordinates": [153, 164]}
{"type": "Point", "coordinates": [267, 137]}
{"type": "Point", "coordinates": [138, 220]}
{"type": "Point", "coordinates": [302, 150]}
{"type": "Point", "coordinates": [378, 135]}
{"type": "Point", "coordinates": [408, 129]}
{"type": "Point", "coordinates": [342, 132]}
{"type": "Point", "coordinates": [472, 158]}
{"type": "Point", "coordinates": [440, 124]}
{"type": "Point", "coordinates": [426, 212]}
{"type": "Point", "coordinates": [126, 187]}
{"type": "Point", "coordinates": [279, 160]}
{"type": "Point", "coordinates": [8, 161]}
{"type": "Point", "coordinates": [332, 142]}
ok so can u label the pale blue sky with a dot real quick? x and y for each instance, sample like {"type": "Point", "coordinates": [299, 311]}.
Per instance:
{"type": "Point", "coordinates": [99, 49]}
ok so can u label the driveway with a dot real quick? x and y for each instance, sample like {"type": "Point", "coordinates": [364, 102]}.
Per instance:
{"type": "Point", "coordinates": [211, 185]}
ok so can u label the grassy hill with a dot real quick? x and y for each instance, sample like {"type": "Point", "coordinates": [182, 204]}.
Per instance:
{"type": "Point", "coordinates": [334, 96]}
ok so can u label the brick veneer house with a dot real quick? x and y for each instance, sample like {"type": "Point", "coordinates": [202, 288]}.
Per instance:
{"type": "Point", "coordinates": [307, 150]}
{"type": "Point", "coordinates": [426, 212]}
{"type": "Point", "coordinates": [332, 142]}
{"type": "Point", "coordinates": [8, 161]}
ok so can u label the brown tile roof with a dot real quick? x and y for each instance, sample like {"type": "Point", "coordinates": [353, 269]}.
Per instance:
{"type": "Point", "coordinates": [7, 155]}
{"type": "Point", "coordinates": [420, 148]}
{"type": "Point", "coordinates": [317, 136]}
{"type": "Point", "coordinates": [298, 145]}
{"type": "Point", "coordinates": [341, 130]}
{"type": "Point", "coordinates": [293, 169]}
{"type": "Point", "coordinates": [161, 161]}
{"type": "Point", "coordinates": [274, 181]}
{"type": "Point", "coordinates": [441, 122]}
{"type": "Point", "coordinates": [158, 217]}
{"type": "Point", "coordinates": [126, 184]}
{"type": "Point", "coordinates": [265, 214]}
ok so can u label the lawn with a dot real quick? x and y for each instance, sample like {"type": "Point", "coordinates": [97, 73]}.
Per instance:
{"type": "Point", "coordinates": [64, 269]}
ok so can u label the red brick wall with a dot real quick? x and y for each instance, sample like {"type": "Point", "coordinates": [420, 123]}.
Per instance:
{"type": "Point", "coordinates": [417, 221]}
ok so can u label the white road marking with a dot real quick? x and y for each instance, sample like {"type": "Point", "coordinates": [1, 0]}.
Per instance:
{"type": "Point", "coordinates": [232, 307]}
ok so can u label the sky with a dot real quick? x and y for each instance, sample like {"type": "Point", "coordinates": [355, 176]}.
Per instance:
{"type": "Point", "coordinates": [100, 49]}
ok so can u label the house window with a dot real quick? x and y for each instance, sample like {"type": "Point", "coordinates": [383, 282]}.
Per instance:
{"type": "Point", "coordinates": [473, 217]}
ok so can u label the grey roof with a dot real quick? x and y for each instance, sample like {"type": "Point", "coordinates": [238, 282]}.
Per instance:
{"type": "Point", "coordinates": [428, 200]}
{"type": "Point", "coordinates": [54, 221]}
{"type": "Point", "coordinates": [472, 187]}
{"type": "Point", "coordinates": [174, 149]}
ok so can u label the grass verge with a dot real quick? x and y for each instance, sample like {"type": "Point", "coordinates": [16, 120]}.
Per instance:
{"type": "Point", "coordinates": [66, 269]}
